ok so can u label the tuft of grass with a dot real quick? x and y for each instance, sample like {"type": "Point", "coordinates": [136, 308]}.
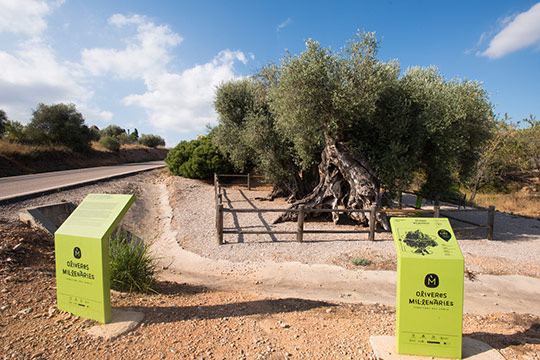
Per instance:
{"type": "Point", "coordinates": [360, 261]}
{"type": "Point", "coordinates": [132, 266]}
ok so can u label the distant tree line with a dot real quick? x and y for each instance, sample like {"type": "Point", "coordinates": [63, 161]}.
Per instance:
{"type": "Point", "coordinates": [509, 158]}
{"type": "Point", "coordinates": [62, 125]}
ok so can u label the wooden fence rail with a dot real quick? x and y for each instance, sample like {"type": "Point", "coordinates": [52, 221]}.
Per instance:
{"type": "Point", "coordinates": [302, 211]}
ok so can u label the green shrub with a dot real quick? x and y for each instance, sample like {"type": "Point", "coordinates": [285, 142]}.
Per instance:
{"type": "Point", "coordinates": [360, 261]}
{"type": "Point", "coordinates": [110, 143]}
{"type": "Point", "coordinates": [197, 159]}
{"type": "Point", "coordinates": [151, 140]}
{"type": "Point", "coordinates": [132, 267]}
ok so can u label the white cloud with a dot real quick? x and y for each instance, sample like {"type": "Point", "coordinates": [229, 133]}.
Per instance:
{"type": "Point", "coordinates": [31, 75]}
{"type": "Point", "coordinates": [180, 102]}
{"type": "Point", "coordinates": [183, 102]}
{"type": "Point", "coordinates": [147, 53]}
{"type": "Point", "coordinates": [283, 24]}
{"type": "Point", "coordinates": [25, 16]}
{"type": "Point", "coordinates": [521, 32]}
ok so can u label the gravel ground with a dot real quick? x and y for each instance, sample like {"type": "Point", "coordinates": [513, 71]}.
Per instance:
{"type": "Point", "coordinates": [515, 250]}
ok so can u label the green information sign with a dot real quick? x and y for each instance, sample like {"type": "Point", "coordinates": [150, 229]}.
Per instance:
{"type": "Point", "coordinates": [82, 255]}
{"type": "Point", "coordinates": [429, 299]}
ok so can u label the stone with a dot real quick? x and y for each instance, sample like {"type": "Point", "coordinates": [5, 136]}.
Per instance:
{"type": "Point", "coordinates": [122, 322]}
{"type": "Point", "coordinates": [385, 349]}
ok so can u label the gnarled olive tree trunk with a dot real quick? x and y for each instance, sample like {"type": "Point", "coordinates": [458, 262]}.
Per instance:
{"type": "Point", "coordinates": [297, 186]}
{"type": "Point", "coordinates": [346, 182]}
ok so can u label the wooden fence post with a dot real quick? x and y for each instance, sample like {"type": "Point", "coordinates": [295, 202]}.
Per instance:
{"type": "Point", "coordinates": [400, 200]}
{"type": "Point", "coordinates": [219, 221]}
{"type": "Point", "coordinates": [300, 223]}
{"type": "Point", "coordinates": [372, 214]}
{"type": "Point", "coordinates": [437, 211]}
{"type": "Point", "coordinates": [215, 186]}
{"type": "Point", "coordinates": [491, 222]}
{"type": "Point", "coordinates": [249, 182]}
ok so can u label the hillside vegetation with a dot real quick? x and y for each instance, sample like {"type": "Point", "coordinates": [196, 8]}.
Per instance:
{"type": "Point", "coordinates": [21, 159]}
{"type": "Point", "coordinates": [57, 138]}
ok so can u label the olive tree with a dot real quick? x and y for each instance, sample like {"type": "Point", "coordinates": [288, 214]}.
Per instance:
{"type": "Point", "coordinates": [361, 123]}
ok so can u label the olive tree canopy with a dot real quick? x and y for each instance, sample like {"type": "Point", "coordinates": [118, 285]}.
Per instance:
{"type": "Point", "coordinates": [354, 123]}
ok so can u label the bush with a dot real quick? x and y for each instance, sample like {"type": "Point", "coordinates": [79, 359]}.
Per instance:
{"type": "Point", "coordinates": [197, 159]}
{"type": "Point", "coordinates": [132, 267]}
{"type": "Point", "coordinates": [151, 140]}
{"type": "Point", "coordinates": [110, 143]}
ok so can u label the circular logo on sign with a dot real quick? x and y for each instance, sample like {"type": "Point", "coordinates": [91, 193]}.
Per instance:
{"type": "Point", "coordinates": [77, 253]}
{"type": "Point", "coordinates": [445, 234]}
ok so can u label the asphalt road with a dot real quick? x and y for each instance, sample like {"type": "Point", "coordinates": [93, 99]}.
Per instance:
{"type": "Point", "coordinates": [13, 187]}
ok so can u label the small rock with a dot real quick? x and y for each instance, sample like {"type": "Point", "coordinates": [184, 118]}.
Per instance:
{"type": "Point", "coordinates": [26, 311]}
{"type": "Point", "coordinates": [329, 310]}
{"type": "Point", "coordinates": [2, 308]}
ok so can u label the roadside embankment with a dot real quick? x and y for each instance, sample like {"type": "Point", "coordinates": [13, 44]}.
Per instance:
{"type": "Point", "coordinates": [20, 159]}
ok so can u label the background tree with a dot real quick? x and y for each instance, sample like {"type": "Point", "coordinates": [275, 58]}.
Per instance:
{"type": "Point", "coordinates": [14, 131]}
{"type": "Point", "coordinates": [3, 121]}
{"type": "Point", "coordinates": [151, 140]}
{"type": "Point", "coordinates": [95, 133]}
{"type": "Point", "coordinates": [364, 127]}
{"type": "Point", "coordinates": [530, 139]}
{"type": "Point", "coordinates": [59, 124]}
{"type": "Point", "coordinates": [113, 130]}
{"type": "Point", "coordinates": [134, 136]}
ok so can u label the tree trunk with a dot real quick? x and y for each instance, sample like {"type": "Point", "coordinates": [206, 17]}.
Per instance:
{"type": "Point", "coordinates": [297, 187]}
{"type": "Point", "coordinates": [346, 182]}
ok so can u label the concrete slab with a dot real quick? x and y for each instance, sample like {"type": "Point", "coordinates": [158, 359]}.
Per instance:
{"type": "Point", "coordinates": [122, 322]}
{"type": "Point", "coordinates": [385, 349]}
{"type": "Point", "coordinates": [47, 217]}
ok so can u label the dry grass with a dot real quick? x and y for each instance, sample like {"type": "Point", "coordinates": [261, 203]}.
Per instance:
{"type": "Point", "coordinates": [520, 203]}
{"type": "Point", "coordinates": [97, 147]}
{"type": "Point", "coordinates": [9, 149]}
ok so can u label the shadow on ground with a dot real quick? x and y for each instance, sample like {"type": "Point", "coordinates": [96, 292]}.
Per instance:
{"type": "Point", "coordinates": [167, 314]}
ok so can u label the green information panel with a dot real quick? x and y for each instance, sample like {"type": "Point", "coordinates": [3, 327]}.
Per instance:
{"type": "Point", "coordinates": [429, 299]}
{"type": "Point", "coordinates": [82, 255]}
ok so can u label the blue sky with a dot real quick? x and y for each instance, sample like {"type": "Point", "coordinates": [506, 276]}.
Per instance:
{"type": "Point", "coordinates": [154, 65]}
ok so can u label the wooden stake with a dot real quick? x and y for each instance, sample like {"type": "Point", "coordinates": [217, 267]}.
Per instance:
{"type": "Point", "coordinates": [219, 223]}
{"type": "Point", "coordinates": [300, 223]}
{"type": "Point", "coordinates": [372, 214]}
{"type": "Point", "coordinates": [491, 222]}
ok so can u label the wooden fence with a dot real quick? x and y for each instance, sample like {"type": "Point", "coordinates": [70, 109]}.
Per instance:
{"type": "Point", "coordinates": [302, 211]}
